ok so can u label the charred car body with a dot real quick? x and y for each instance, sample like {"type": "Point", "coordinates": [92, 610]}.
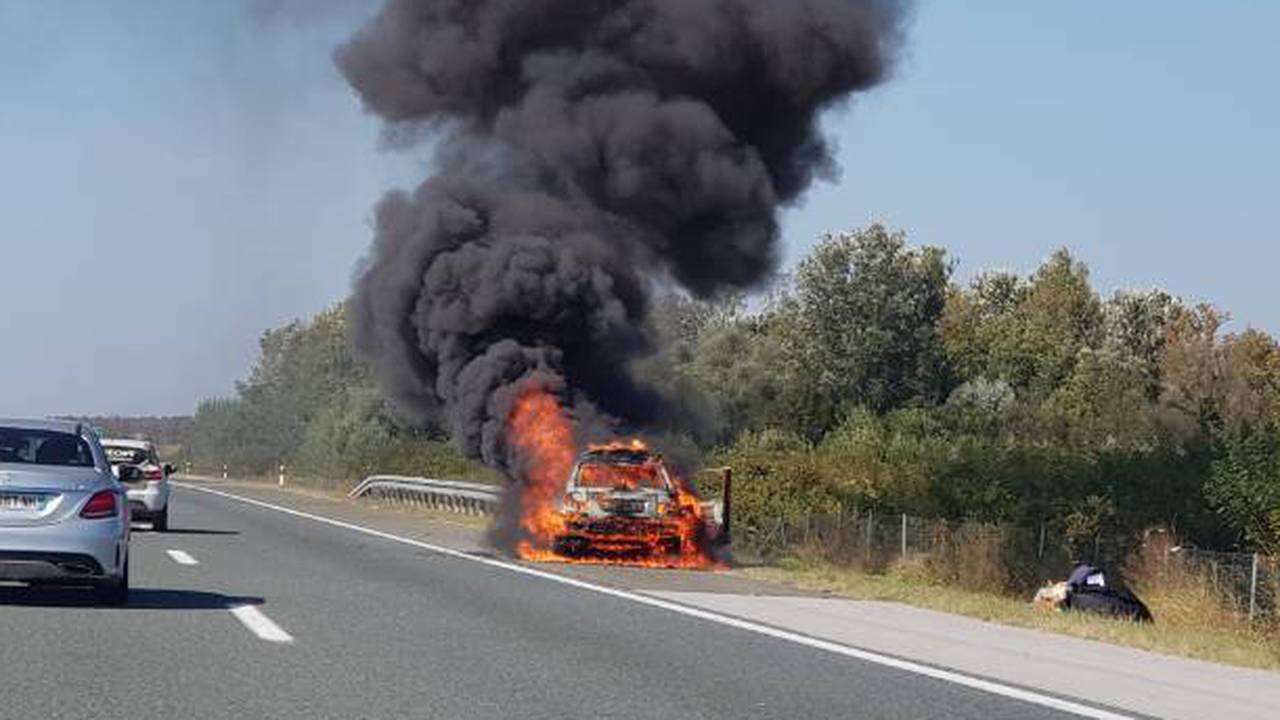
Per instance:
{"type": "Point", "coordinates": [622, 500]}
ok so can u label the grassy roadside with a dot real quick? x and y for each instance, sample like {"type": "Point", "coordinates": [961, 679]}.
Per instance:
{"type": "Point", "coordinates": [1184, 626]}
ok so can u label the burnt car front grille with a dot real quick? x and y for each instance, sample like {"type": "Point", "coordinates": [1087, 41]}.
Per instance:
{"type": "Point", "coordinates": [627, 507]}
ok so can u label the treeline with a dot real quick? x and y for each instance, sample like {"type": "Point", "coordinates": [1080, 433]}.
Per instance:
{"type": "Point", "coordinates": [310, 404]}
{"type": "Point", "coordinates": [169, 433]}
{"type": "Point", "coordinates": [870, 379]}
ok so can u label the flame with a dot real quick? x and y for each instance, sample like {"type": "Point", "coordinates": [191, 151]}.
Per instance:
{"type": "Point", "coordinates": [635, 444]}
{"type": "Point", "coordinates": [542, 435]}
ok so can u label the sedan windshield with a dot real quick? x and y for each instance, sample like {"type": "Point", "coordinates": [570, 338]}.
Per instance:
{"type": "Point", "coordinates": [43, 447]}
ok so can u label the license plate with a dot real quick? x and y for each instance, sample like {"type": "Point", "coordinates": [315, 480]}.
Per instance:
{"type": "Point", "coordinates": [19, 503]}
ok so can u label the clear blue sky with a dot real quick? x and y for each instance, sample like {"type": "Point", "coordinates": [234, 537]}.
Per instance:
{"type": "Point", "coordinates": [178, 175]}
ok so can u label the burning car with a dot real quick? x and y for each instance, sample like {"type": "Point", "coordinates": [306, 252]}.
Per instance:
{"type": "Point", "coordinates": [621, 500]}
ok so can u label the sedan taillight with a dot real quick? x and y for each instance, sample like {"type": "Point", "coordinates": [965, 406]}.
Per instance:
{"type": "Point", "coordinates": [101, 505]}
{"type": "Point", "coordinates": [156, 474]}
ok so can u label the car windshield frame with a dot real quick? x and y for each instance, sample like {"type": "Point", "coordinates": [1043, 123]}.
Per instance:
{"type": "Point", "coordinates": [30, 446]}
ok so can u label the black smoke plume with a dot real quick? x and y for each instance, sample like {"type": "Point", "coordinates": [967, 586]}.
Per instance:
{"type": "Point", "coordinates": [585, 150]}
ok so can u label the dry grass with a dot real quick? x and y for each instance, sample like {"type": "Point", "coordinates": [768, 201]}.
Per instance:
{"type": "Point", "coordinates": [1189, 621]}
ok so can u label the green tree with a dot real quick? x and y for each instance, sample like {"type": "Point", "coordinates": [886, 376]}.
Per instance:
{"type": "Point", "coordinates": [1138, 324]}
{"type": "Point", "coordinates": [861, 328]}
{"type": "Point", "coordinates": [1027, 334]}
{"type": "Point", "coordinates": [1244, 486]}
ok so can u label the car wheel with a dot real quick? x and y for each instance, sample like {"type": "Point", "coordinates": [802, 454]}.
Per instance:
{"type": "Point", "coordinates": [571, 547]}
{"type": "Point", "coordinates": [115, 592]}
{"type": "Point", "coordinates": [161, 522]}
{"type": "Point", "coordinates": [673, 546]}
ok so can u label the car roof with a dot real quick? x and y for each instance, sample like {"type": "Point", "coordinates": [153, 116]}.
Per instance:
{"type": "Point", "coordinates": [135, 444]}
{"type": "Point", "coordinates": [70, 427]}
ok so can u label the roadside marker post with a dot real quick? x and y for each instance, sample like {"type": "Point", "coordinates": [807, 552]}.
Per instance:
{"type": "Point", "coordinates": [904, 536]}
{"type": "Point", "coordinates": [1253, 588]}
{"type": "Point", "coordinates": [281, 474]}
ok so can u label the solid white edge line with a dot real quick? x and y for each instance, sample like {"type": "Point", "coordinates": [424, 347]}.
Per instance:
{"type": "Point", "coordinates": [182, 557]}
{"type": "Point", "coordinates": [259, 624]}
{"type": "Point", "coordinates": [949, 676]}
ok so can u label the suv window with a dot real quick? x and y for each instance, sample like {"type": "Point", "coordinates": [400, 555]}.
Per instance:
{"type": "Point", "coordinates": [44, 447]}
{"type": "Point", "coordinates": [618, 476]}
{"type": "Point", "coordinates": [119, 455]}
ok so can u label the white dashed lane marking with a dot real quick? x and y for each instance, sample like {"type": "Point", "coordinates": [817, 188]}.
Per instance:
{"type": "Point", "coordinates": [259, 624]}
{"type": "Point", "coordinates": [182, 558]}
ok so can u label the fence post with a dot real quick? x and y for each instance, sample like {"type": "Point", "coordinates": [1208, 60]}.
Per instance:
{"type": "Point", "coordinates": [1253, 588]}
{"type": "Point", "coordinates": [904, 536]}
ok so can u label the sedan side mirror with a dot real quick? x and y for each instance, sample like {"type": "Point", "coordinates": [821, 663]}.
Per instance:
{"type": "Point", "coordinates": [129, 473]}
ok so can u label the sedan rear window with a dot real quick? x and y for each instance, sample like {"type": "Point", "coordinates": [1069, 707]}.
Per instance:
{"type": "Point", "coordinates": [43, 447]}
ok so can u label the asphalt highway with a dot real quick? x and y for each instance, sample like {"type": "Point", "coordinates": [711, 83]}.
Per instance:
{"type": "Point", "coordinates": [242, 611]}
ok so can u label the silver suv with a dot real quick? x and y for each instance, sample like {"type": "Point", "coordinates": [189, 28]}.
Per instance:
{"type": "Point", "coordinates": [63, 516]}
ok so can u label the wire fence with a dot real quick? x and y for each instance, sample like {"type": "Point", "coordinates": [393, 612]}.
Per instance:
{"type": "Point", "coordinates": [1248, 583]}
{"type": "Point", "coordinates": [1010, 559]}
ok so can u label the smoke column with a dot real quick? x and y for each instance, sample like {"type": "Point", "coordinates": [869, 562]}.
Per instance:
{"type": "Point", "coordinates": [584, 151]}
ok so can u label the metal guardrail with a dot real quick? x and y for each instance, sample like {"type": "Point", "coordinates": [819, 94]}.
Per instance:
{"type": "Point", "coordinates": [456, 496]}
{"type": "Point", "coordinates": [450, 495]}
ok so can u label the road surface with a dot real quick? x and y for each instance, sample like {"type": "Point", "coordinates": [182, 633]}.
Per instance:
{"type": "Point", "coordinates": [245, 611]}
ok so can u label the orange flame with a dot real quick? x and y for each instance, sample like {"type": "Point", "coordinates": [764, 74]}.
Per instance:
{"type": "Point", "coordinates": [542, 435]}
{"type": "Point", "coordinates": [635, 444]}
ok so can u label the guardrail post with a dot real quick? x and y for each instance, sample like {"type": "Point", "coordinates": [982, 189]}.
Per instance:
{"type": "Point", "coordinates": [1253, 588]}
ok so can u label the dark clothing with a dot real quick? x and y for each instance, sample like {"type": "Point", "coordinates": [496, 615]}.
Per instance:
{"type": "Point", "coordinates": [1107, 601]}
{"type": "Point", "coordinates": [1086, 575]}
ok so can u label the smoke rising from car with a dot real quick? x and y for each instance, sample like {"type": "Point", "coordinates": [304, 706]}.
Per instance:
{"type": "Point", "coordinates": [584, 151]}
